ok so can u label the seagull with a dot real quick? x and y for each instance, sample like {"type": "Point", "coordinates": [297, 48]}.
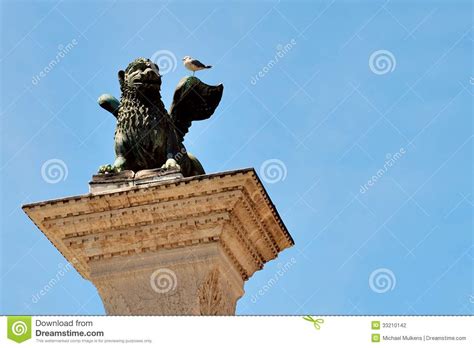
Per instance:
{"type": "Point", "coordinates": [194, 64]}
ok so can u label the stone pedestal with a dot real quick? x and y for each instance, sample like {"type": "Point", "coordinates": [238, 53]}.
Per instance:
{"type": "Point", "coordinates": [156, 243]}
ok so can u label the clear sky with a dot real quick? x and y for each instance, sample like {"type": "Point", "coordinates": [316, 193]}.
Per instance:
{"type": "Point", "coordinates": [361, 117]}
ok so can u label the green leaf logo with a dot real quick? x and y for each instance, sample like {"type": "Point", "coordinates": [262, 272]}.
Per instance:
{"type": "Point", "coordinates": [19, 328]}
{"type": "Point", "coordinates": [316, 322]}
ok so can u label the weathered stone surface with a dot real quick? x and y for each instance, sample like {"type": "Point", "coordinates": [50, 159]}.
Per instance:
{"type": "Point", "coordinates": [182, 246]}
{"type": "Point", "coordinates": [126, 178]}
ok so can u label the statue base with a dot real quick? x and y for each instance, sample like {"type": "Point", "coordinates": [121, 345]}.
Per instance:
{"type": "Point", "coordinates": [155, 243]}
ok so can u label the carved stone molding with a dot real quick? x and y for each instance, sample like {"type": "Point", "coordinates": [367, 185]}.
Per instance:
{"type": "Point", "coordinates": [213, 231]}
{"type": "Point", "coordinates": [212, 300]}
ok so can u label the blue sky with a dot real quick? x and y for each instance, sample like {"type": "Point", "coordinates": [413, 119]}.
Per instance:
{"type": "Point", "coordinates": [328, 120]}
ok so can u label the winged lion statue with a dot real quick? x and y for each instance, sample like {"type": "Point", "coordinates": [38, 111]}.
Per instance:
{"type": "Point", "coordinates": [146, 135]}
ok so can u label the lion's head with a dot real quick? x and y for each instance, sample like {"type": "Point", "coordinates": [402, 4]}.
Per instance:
{"type": "Point", "coordinates": [142, 75]}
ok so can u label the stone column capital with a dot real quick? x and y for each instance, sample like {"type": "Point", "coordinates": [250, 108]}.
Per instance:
{"type": "Point", "coordinates": [177, 246]}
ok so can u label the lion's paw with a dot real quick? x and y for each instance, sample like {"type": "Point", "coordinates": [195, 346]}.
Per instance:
{"type": "Point", "coordinates": [107, 169]}
{"type": "Point", "coordinates": [171, 164]}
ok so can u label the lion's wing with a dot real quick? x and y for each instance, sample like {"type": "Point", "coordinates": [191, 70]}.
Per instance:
{"type": "Point", "coordinates": [193, 100]}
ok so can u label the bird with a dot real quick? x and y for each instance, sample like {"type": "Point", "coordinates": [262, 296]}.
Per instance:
{"type": "Point", "coordinates": [194, 64]}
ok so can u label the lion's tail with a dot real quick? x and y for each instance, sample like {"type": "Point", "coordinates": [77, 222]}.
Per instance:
{"type": "Point", "coordinates": [196, 166]}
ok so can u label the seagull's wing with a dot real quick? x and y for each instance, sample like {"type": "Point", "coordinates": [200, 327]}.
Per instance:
{"type": "Point", "coordinates": [193, 100]}
{"type": "Point", "coordinates": [198, 63]}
